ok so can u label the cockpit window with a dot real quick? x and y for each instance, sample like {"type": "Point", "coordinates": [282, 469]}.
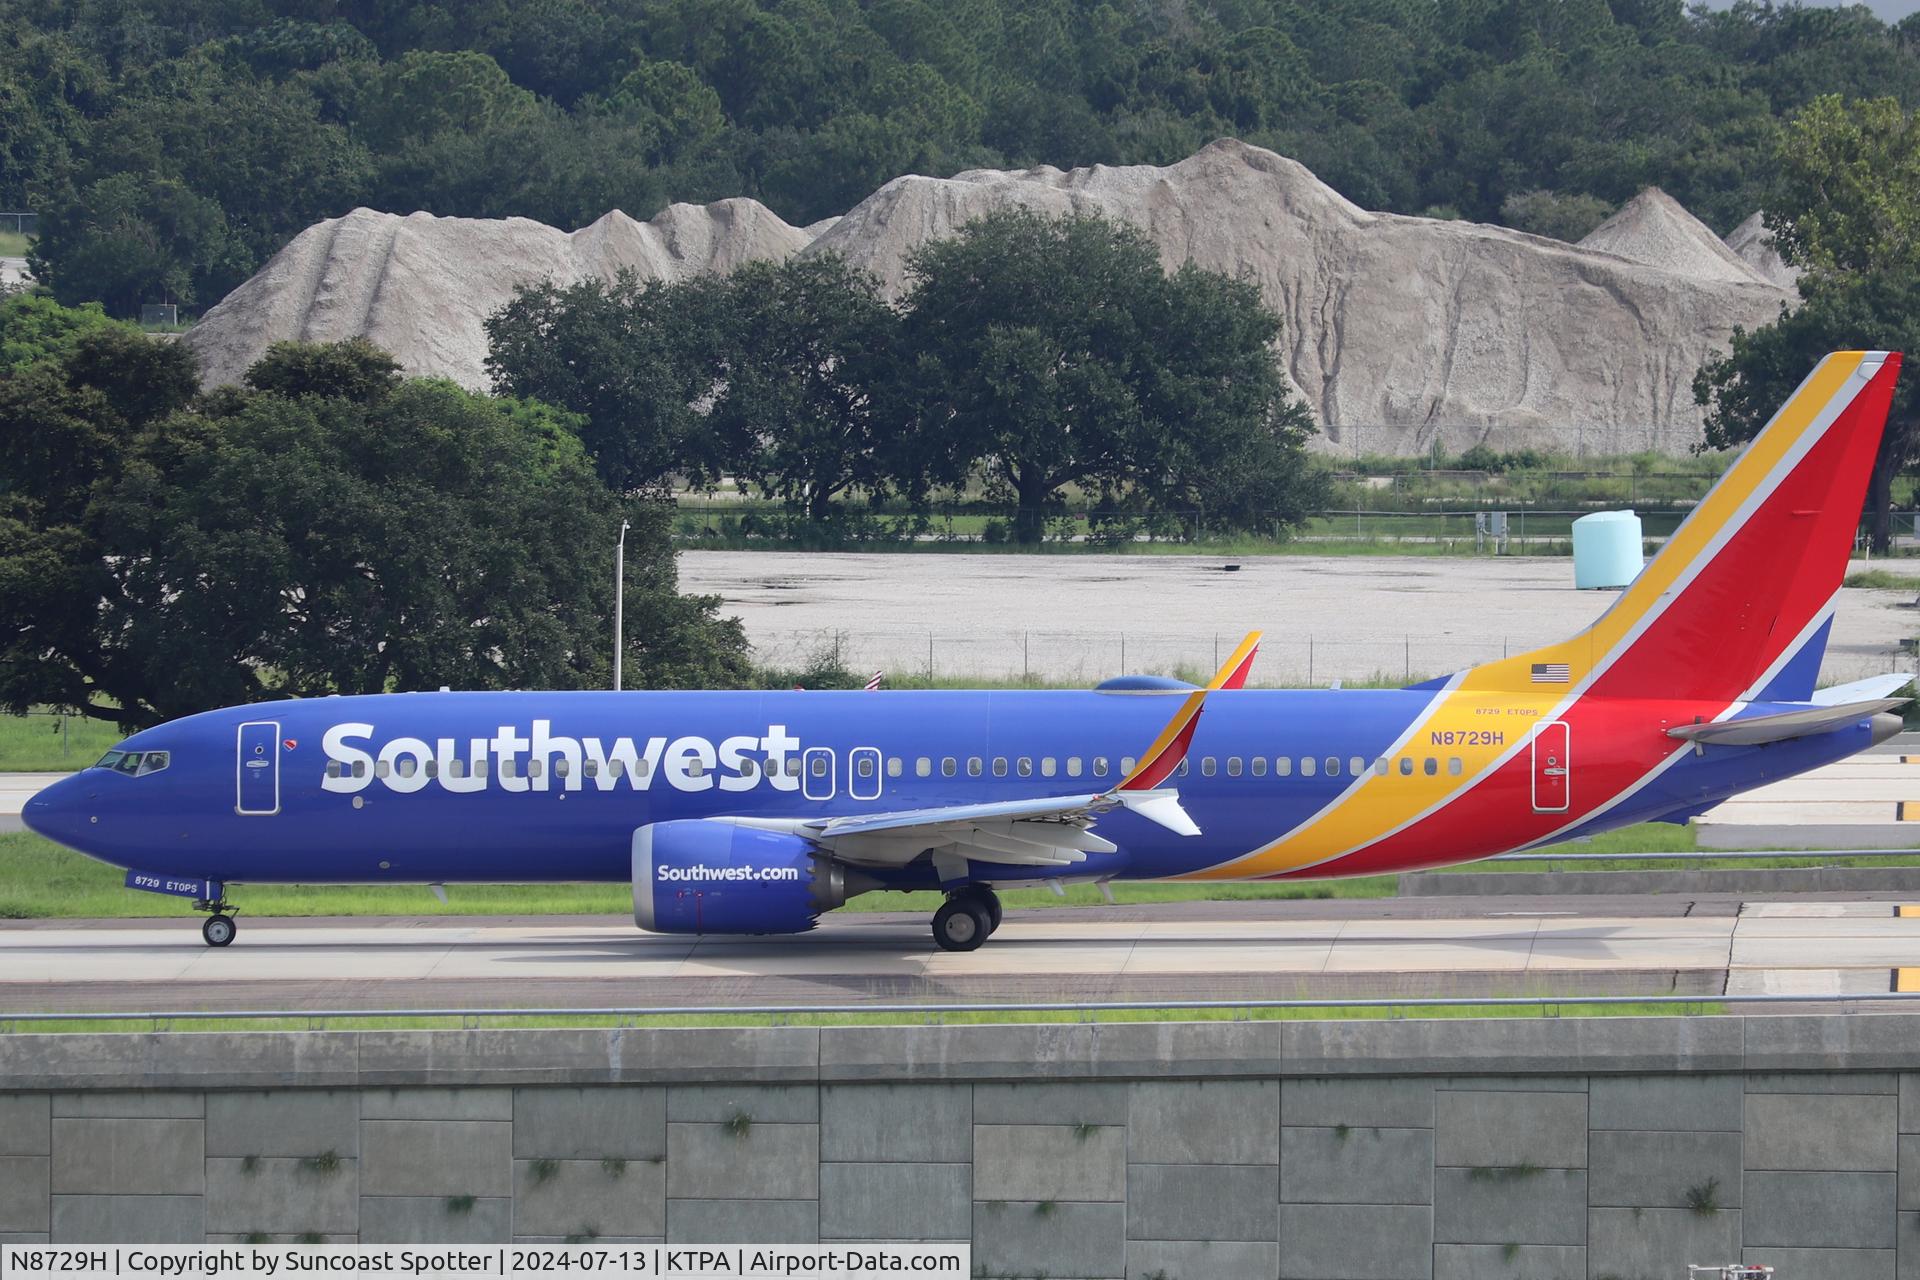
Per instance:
{"type": "Point", "coordinates": [135, 764]}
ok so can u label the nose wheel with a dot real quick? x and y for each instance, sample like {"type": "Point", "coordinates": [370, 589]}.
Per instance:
{"type": "Point", "coordinates": [966, 919]}
{"type": "Point", "coordinates": [219, 927]}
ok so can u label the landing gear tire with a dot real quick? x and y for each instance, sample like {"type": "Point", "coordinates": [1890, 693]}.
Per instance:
{"type": "Point", "coordinates": [961, 924]}
{"type": "Point", "coordinates": [991, 901]}
{"type": "Point", "coordinates": [218, 930]}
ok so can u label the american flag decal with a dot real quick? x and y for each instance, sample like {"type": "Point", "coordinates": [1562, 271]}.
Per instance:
{"type": "Point", "coordinates": [1551, 673]}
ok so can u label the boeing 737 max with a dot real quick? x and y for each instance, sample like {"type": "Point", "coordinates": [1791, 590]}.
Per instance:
{"type": "Point", "coordinates": [756, 812]}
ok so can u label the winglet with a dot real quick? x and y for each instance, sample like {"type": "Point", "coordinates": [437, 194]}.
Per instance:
{"type": "Point", "coordinates": [1162, 807]}
{"type": "Point", "coordinates": [1234, 674]}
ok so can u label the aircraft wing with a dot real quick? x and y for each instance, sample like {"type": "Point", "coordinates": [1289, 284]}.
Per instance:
{"type": "Point", "coordinates": [1043, 831]}
{"type": "Point", "coordinates": [1755, 730]}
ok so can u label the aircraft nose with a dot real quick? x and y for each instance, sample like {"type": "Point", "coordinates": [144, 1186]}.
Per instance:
{"type": "Point", "coordinates": [56, 811]}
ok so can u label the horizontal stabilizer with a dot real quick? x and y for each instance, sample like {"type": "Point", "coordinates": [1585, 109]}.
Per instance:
{"type": "Point", "coordinates": [1756, 730]}
{"type": "Point", "coordinates": [1862, 690]}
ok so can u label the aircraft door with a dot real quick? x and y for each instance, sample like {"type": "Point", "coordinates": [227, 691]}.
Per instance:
{"type": "Point", "coordinates": [817, 773]}
{"type": "Point", "coordinates": [258, 769]}
{"type": "Point", "coordinates": [863, 773]}
{"type": "Point", "coordinates": [1552, 762]}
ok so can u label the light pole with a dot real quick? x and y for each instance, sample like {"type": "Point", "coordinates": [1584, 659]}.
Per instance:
{"type": "Point", "coordinates": [619, 603]}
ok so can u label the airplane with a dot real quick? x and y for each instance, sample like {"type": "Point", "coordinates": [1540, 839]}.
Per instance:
{"type": "Point", "coordinates": [756, 812]}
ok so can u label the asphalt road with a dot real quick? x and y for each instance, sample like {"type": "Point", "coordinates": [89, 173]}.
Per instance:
{"type": "Point", "coordinates": [1221, 950]}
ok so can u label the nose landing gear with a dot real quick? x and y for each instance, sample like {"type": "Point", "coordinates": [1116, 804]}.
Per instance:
{"type": "Point", "coordinates": [219, 928]}
{"type": "Point", "coordinates": [967, 918]}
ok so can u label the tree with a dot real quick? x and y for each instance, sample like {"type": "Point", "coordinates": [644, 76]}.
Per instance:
{"type": "Point", "coordinates": [263, 545]}
{"type": "Point", "coordinates": [809, 346]}
{"type": "Point", "coordinates": [1554, 214]}
{"type": "Point", "coordinates": [630, 358]}
{"type": "Point", "coordinates": [1843, 210]}
{"type": "Point", "coordinates": [33, 327]}
{"type": "Point", "coordinates": [1055, 352]}
{"type": "Point", "coordinates": [1877, 311]}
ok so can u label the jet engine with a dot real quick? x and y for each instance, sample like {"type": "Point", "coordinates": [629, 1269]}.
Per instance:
{"type": "Point", "coordinates": [705, 875]}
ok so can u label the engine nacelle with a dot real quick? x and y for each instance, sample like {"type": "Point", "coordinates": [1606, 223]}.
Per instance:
{"type": "Point", "coordinates": [703, 875]}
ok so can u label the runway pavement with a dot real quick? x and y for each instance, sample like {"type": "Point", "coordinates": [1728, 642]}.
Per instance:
{"type": "Point", "coordinates": [1220, 950]}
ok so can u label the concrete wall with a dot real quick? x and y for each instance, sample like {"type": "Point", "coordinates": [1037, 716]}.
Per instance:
{"type": "Point", "coordinates": [1301, 1151]}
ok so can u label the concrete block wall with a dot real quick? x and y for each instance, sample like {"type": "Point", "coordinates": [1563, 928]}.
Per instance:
{"type": "Point", "coordinates": [1311, 1152]}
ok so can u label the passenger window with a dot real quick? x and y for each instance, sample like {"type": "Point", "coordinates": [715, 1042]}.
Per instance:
{"type": "Point", "coordinates": [1406, 766]}
{"type": "Point", "coordinates": [537, 767]}
{"type": "Point", "coordinates": [1182, 770]}
{"type": "Point", "coordinates": [894, 766]}
{"type": "Point", "coordinates": [864, 766]}
{"type": "Point", "coordinates": [360, 768]}
{"type": "Point", "coordinates": [1233, 766]}
{"type": "Point", "coordinates": [1333, 766]}
{"type": "Point", "coordinates": [1259, 764]}
{"type": "Point", "coordinates": [1207, 766]}
{"type": "Point", "coordinates": [1380, 766]}
{"type": "Point", "coordinates": [819, 766]}
{"type": "Point", "coordinates": [1126, 764]}
{"type": "Point", "coordinates": [433, 768]}
{"type": "Point", "coordinates": [1356, 766]}
{"type": "Point", "coordinates": [381, 769]}
{"type": "Point", "coordinates": [695, 769]}
{"type": "Point", "coordinates": [973, 766]}
{"type": "Point", "coordinates": [562, 767]}
{"type": "Point", "coordinates": [1306, 766]}
{"type": "Point", "coordinates": [999, 766]}
{"type": "Point", "coordinates": [591, 768]}
{"type": "Point", "coordinates": [1432, 766]}
{"type": "Point", "coordinates": [457, 768]}
{"type": "Point", "coordinates": [1024, 766]}
{"type": "Point", "coordinates": [1454, 765]}
{"type": "Point", "coordinates": [1046, 766]}
{"type": "Point", "coordinates": [1099, 766]}
{"type": "Point", "coordinates": [923, 767]}
{"type": "Point", "coordinates": [1073, 766]}
{"type": "Point", "coordinates": [1283, 766]}
{"type": "Point", "coordinates": [948, 766]}
{"type": "Point", "coordinates": [333, 768]}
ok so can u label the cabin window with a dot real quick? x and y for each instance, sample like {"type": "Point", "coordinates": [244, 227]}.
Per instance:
{"type": "Point", "coordinates": [536, 767]}
{"type": "Point", "coordinates": [864, 766]}
{"type": "Point", "coordinates": [1024, 766]}
{"type": "Point", "coordinates": [1455, 765]}
{"type": "Point", "coordinates": [1126, 764]}
{"type": "Point", "coordinates": [973, 766]}
{"type": "Point", "coordinates": [457, 768]}
{"type": "Point", "coordinates": [1182, 770]}
{"type": "Point", "coordinates": [1356, 766]}
{"type": "Point", "coordinates": [819, 766]}
{"type": "Point", "coordinates": [1432, 766]}
{"type": "Point", "coordinates": [433, 768]}
{"type": "Point", "coordinates": [1406, 766]}
{"type": "Point", "coordinates": [381, 769]}
{"type": "Point", "coordinates": [1099, 766]}
{"type": "Point", "coordinates": [1047, 766]}
{"type": "Point", "coordinates": [999, 766]}
{"type": "Point", "coordinates": [561, 767]}
{"type": "Point", "coordinates": [923, 767]}
{"type": "Point", "coordinates": [1259, 764]}
{"type": "Point", "coordinates": [1283, 766]}
{"type": "Point", "coordinates": [1306, 766]}
{"type": "Point", "coordinates": [1207, 766]}
{"type": "Point", "coordinates": [642, 768]}
{"type": "Point", "coordinates": [1233, 766]}
{"type": "Point", "coordinates": [1380, 766]}
{"type": "Point", "coordinates": [895, 766]}
{"type": "Point", "coordinates": [333, 768]}
{"type": "Point", "coordinates": [948, 766]}
{"type": "Point", "coordinates": [360, 769]}
{"type": "Point", "coordinates": [748, 766]}
{"type": "Point", "coordinates": [1073, 766]}
{"type": "Point", "coordinates": [591, 768]}
{"type": "Point", "coordinates": [1333, 766]}
{"type": "Point", "coordinates": [695, 769]}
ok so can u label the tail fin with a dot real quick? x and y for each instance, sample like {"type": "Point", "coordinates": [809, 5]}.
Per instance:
{"type": "Point", "coordinates": [1737, 604]}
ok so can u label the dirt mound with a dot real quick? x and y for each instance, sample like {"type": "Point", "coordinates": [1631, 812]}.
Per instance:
{"type": "Point", "coordinates": [422, 286]}
{"type": "Point", "coordinates": [1400, 332]}
{"type": "Point", "coordinates": [1754, 243]}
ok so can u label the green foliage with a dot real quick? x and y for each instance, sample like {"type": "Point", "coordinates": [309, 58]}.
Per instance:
{"type": "Point", "coordinates": [324, 1165]}
{"type": "Point", "coordinates": [414, 534]}
{"type": "Point", "coordinates": [35, 327]}
{"type": "Point", "coordinates": [461, 1206]}
{"type": "Point", "coordinates": [1703, 1198]}
{"type": "Point", "coordinates": [543, 1170]}
{"type": "Point", "coordinates": [739, 1124]}
{"type": "Point", "coordinates": [172, 148]}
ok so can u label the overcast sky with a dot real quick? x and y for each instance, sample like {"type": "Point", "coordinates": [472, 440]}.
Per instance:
{"type": "Point", "coordinates": [1889, 10]}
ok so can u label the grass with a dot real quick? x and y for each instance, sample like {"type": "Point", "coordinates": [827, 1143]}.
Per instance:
{"type": "Point", "coordinates": [1882, 580]}
{"type": "Point", "coordinates": [47, 743]}
{"type": "Point", "coordinates": [14, 245]}
{"type": "Point", "coordinates": [1547, 1006]}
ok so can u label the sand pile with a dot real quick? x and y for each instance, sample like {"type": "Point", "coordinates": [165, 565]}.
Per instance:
{"type": "Point", "coordinates": [1400, 331]}
{"type": "Point", "coordinates": [1653, 228]}
{"type": "Point", "coordinates": [422, 287]}
{"type": "Point", "coordinates": [1754, 243]}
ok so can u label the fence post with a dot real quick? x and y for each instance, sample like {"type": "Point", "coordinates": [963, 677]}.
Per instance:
{"type": "Point", "coordinates": [929, 657]}
{"type": "Point", "coordinates": [1408, 670]}
{"type": "Point", "coordinates": [1026, 669]}
{"type": "Point", "coordinates": [1123, 653]}
{"type": "Point", "coordinates": [1309, 660]}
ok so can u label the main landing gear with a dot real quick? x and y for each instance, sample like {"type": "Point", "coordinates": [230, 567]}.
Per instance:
{"type": "Point", "coordinates": [967, 918]}
{"type": "Point", "coordinates": [219, 927]}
